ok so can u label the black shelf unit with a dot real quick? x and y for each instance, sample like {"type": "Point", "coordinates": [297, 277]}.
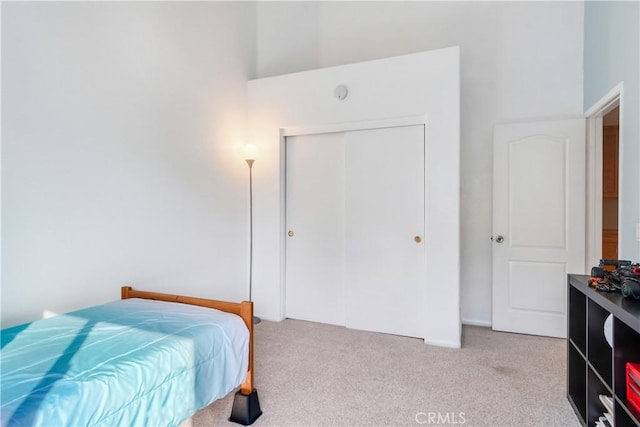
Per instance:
{"type": "Point", "coordinates": [594, 367]}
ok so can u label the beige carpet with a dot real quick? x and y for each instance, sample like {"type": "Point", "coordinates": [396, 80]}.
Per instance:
{"type": "Point", "coordinates": [310, 374]}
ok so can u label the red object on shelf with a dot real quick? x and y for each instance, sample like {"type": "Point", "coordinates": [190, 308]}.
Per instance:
{"type": "Point", "coordinates": [633, 385]}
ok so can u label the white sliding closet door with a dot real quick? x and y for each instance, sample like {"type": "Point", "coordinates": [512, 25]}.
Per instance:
{"type": "Point", "coordinates": [385, 256]}
{"type": "Point", "coordinates": [316, 228]}
{"type": "Point", "coordinates": [355, 224]}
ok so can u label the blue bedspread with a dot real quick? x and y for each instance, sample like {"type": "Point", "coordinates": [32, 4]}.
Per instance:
{"type": "Point", "coordinates": [130, 362]}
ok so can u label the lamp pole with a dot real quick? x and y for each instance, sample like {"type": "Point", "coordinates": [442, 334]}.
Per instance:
{"type": "Point", "coordinates": [250, 162]}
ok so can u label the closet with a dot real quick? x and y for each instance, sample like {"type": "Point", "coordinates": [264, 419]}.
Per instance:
{"type": "Point", "coordinates": [355, 219]}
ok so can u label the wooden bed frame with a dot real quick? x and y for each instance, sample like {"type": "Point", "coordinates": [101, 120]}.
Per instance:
{"type": "Point", "coordinates": [246, 407]}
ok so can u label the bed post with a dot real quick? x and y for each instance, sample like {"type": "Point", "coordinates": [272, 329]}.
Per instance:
{"type": "Point", "coordinates": [124, 292]}
{"type": "Point", "coordinates": [246, 406]}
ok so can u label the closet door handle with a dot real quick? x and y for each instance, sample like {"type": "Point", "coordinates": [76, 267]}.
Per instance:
{"type": "Point", "coordinates": [290, 233]}
{"type": "Point", "coordinates": [417, 239]}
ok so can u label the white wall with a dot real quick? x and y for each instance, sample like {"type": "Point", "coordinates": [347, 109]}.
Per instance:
{"type": "Point", "coordinates": [119, 123]}
{"type": "Point", "coordinates": [518, 60]}
{"type": "Point", "coordinates": [425, 85]}
{"type": "Point", "coordinates": [119, 128]}
{"type": "Point", "coordinates": [612, 56]}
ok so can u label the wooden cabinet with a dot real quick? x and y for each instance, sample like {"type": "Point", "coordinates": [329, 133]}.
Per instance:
{"type": "Point", "coordinates": [610, 244]}
{"type": "Point", "coordinates": [595, 367]}
{"type": "Point", "coordinates": [610, 162]}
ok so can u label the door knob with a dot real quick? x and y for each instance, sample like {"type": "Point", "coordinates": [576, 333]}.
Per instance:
{"type": "Point", "coordinates": [499, 239]}
{"type": "Point", "coordinates": [290, 233]}
{"type": "Point", "coordinates": [417, 239]}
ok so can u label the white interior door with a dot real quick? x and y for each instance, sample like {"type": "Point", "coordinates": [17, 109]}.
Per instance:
{"type": "Point", "coordinates": [538, 223]}
{"type": "Point", "coordinates": [385, 255]}
{"type": "Point", "coordinates": [316, 228]}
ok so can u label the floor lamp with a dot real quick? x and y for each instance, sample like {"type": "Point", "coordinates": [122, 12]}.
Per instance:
{"type": "Point", "coordinates": [249, 152]}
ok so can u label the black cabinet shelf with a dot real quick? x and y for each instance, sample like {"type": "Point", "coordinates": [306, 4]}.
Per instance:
{"type": "Point", "coordinates": [593, 366]}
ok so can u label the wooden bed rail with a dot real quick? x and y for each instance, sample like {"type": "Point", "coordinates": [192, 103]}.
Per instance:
{"type": "Point", "coordinates": [243, 309]}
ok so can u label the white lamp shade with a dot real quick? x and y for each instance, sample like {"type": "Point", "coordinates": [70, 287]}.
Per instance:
{"type": "Point", "coordinates": [249, 152]}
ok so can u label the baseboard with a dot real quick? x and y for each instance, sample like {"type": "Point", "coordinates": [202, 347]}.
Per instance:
{"type": "Point", "coordinates": [448, 344]}
{"type": "Point", "coordinates": [471, 322]}
{"type": "Point", "coordinates": [269, 318]}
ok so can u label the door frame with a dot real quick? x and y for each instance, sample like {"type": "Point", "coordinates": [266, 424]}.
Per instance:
{"type": "Point", "coordinates": [284, 132]}
{"type": "Point", "coordinates": [594, 115]}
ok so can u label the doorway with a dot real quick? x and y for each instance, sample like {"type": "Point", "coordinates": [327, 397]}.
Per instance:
{"type": "Point", "coordinates": [604, 173]}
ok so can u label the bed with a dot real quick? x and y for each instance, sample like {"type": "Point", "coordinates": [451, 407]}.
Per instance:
{"type": "Point", "coordinates": [148, 359]}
